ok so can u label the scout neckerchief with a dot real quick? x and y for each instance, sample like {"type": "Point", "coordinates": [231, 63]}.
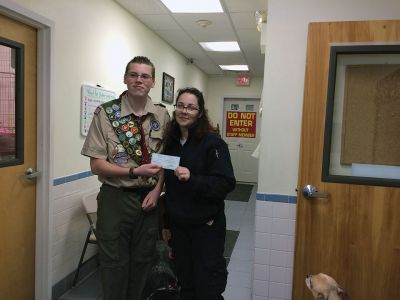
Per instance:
{"type": "Point", "coordinates": [145, 152]}
{"type": "Point", "coordinates": [129, 131]}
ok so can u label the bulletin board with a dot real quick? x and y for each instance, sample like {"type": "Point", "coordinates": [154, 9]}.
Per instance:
{"type": "Point", "coordinates": [91, 98]}
{"type": "Point", "coordinates": [371, 118]}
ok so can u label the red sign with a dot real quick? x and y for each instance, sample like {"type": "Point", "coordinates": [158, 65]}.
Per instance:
{"type": "Point", "coordinates": [243, 79]}
{"type": "Point", "coordinates": [241, 124]}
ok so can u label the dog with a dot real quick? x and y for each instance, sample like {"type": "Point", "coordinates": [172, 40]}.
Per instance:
{"type": "Point", "coordinates": [324, 287]}
{"type": "Point", "coordinates": [161, 282]}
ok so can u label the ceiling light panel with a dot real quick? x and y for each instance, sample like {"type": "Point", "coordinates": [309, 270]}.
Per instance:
{"type": "Point", "coordinates": [234, 67]}
{"type": "Point", "coordinates": [221, 46]}
{"type": "Point", "coordinates": [193, 6]}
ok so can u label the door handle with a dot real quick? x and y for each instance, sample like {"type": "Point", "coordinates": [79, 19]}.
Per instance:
{"type": "Point", "coordinates": [310, 191]}
{"type": "Point", "coordinates": [30, 174]}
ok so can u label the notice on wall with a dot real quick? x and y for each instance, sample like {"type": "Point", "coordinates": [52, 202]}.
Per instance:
{"type": "Point", "coordinates": [241, 124]}
{"type": "Point", "coordinates": [91, 98]}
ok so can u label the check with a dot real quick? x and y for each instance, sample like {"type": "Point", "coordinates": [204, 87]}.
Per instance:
{"type": "Point", "coordinates": [166, 161]}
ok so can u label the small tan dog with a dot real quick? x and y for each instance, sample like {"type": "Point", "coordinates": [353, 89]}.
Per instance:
{"type": "Point", "coordinates": [324, 287]}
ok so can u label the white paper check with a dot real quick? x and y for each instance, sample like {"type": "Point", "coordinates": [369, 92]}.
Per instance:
{"type": "Point", "coordinates": [166, 161]}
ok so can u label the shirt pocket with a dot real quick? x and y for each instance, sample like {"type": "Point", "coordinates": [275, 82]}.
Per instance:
{"type": "Point", "coordinates": [155, 140]}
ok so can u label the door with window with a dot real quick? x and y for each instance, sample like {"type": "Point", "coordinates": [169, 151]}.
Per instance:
{"type": "Point", "coordinates": [18, 46]}
{"type": "Point", "coordinates": [241, 131]}
{"type": "Point", "coordinates": [348, 222]}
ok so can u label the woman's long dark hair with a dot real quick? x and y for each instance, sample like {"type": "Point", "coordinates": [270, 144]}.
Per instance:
{"type": "Point", "coordinates": [202, 125]}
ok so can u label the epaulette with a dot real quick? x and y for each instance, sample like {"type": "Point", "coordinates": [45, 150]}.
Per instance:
{"type": "Point", "coordinates": [160, 104]}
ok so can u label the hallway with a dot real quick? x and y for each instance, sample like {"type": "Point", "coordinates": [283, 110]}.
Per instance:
{"type": "Point", "coordinates": [239, 219]}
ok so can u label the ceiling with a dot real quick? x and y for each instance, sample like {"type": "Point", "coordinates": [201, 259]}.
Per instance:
{"type": "Point", "coordinates": [181, 31]}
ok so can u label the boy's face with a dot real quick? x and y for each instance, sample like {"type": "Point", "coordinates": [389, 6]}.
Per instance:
{"type": "Point", "coordinates": [139, 80]}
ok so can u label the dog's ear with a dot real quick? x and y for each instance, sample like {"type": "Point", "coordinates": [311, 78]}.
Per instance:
{"type": "Point", "coordinates": [343, 294]}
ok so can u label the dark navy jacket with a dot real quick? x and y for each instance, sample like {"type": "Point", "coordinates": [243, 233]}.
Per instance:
{"type": "Point", "coordinates": [201, 198]}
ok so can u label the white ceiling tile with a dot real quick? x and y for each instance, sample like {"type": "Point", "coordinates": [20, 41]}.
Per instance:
{"type": "Point", "coordinates": [245, 5]}
{"type": "Point", "coordinates": [183, 33]}
{"type": "Point", "coordinates": [143, 6]}
{"type": "Point", "coordinates": [244, 20]}
{"type": "Point", "coordinates": [157, 22]}
{"type": "Point", "coordinates": [188, 21]}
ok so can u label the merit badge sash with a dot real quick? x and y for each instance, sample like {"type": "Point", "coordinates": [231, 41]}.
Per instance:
{"type": "Point", "coordinates": [128, 130]}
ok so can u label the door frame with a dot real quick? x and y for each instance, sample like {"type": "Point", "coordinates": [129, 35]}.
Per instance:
{"type": "Point", "coordinates": [44, 223]}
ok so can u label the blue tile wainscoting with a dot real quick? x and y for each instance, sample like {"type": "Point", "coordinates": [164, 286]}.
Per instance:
{"type": "Point", "coordinates": [73, 177]}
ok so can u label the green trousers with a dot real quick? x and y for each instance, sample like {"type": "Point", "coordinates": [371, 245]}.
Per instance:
{"type": "Point", "coordinates": [127, 241]}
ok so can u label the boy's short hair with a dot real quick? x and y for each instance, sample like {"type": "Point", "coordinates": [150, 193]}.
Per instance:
{"type": "Point", "coordinates": [141, 60]}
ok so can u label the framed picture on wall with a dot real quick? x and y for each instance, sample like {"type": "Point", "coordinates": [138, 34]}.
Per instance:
{"type": "Point", "coordinates": [167, 88]}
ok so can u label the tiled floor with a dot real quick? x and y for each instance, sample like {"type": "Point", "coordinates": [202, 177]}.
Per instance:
{"type": "Point", "coordinates": [240, 217]}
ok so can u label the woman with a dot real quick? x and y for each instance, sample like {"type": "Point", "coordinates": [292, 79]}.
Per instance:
{"type": "Point", "coordinates": [194, 199]}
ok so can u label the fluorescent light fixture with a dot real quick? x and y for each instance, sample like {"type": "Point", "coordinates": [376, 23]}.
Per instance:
{"type": "Point", "coordinates": [193, 6]}
{"type": "Point", "coordinates": [234, 67]}
{"type": "Point", "coordinates": [221, 46]}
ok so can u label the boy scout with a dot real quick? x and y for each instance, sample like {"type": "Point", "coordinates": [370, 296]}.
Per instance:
{"type": "Point", "coordinates": [123, 134]}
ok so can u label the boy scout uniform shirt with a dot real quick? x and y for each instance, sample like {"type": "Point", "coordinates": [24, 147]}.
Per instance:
{"type": "Point", "coordinates": [103, 143]}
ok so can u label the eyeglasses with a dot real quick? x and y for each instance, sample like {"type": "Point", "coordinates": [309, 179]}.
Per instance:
{"type": "Point", "coordinates": [142, 76]}
{"type": "Point", "coordinates": [189, 108]}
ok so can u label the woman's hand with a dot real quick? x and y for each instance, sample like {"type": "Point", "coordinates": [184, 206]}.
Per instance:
{"type": "Point", "coordinates": [182, 173]}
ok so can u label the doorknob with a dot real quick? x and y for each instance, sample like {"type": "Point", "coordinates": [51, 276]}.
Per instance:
{"type": "Point", "coordinates": [30, 174]}
{"type": "Point", "coordinates": [310, 191]}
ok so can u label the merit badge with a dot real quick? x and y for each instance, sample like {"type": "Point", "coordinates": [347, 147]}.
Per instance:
{"type": "Point", "coordinates": [121, 161]}
{"type": "Point", "coordinates": [120, 148]}
{"type": "Point", "coordinates": [130, 151]}
{"type": "Point", "coordinates": [134, 130]}
{"type": "Point", "coordinates": [122, 137]}
{"type": "Point", "coordinates": [125, 144]}
{"type": "Point", "coordinates": [155, 125]}
{"type": "Point", "coordinates": [109, 110]}
{"type": "Point", "coordinates": [132, 141]}
{"type": "Point", "coordinates": [138, 152]}
{"type": "Point", "coordinates": [115, 124]}
{"type": "Point", "coordinates": [125, 127]}
{"type": "Point", "coordinates": [138, 137]}
{"type": "Point", "coordinates": [122, 120]}
{"type": "Point", "coordinates": [121, 155]}
{"type": "Point", "coordinates": [115, 107]}
{"type": "Point", "coordinates": [118, 114]}
{"type": "Point", "coordinates": [129, 134]}
{"type": "Point", "coordinates": [131, 124]}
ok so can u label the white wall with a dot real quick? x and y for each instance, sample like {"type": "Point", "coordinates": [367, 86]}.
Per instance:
{"type": "Point", "coordinates": [94, 40]}
{"type": "Point", "coordinates": [286, 42]}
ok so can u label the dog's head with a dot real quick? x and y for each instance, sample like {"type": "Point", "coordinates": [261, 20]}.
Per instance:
{"type": "Point", "coordinates": [161, 282]}
{"type": "Point", "coordinates": [324, 287]}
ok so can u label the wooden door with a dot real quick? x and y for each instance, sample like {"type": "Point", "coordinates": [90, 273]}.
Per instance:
{"type": "Point", "coordinates": [241, 131]}
{"type": "Point", "coordinates": [18, 194]}
{"type": "Point", "coordinates": [354, 234]}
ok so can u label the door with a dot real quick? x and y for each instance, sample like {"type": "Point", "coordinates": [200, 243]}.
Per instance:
{"type": "Point", "coordinates": [17, 154]}
{"type": "Point", "coordinates": [353, 234]}
{"type": "Point", "coordinates": [241, 131]}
